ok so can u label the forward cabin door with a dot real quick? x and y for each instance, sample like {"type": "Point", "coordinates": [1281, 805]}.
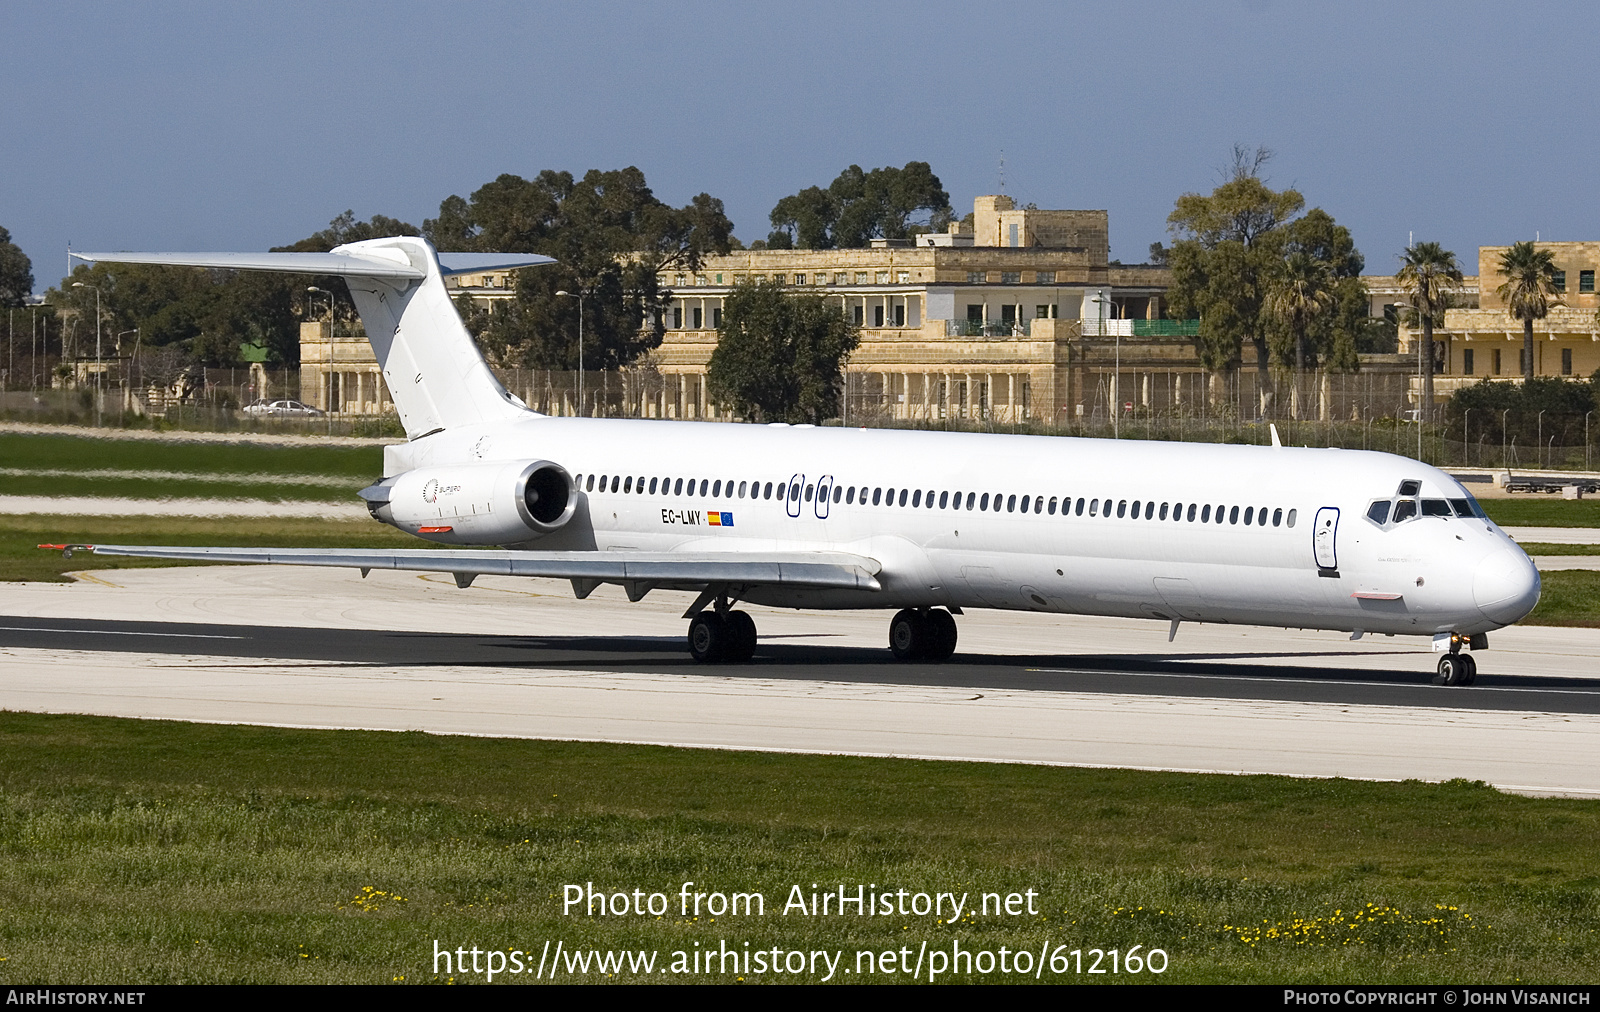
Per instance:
{"type": "Point", "coordinates": [1324, 538]}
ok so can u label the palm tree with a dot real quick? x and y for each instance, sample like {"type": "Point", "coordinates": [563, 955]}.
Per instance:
{"type": "Point", "coordinates": [1302, 292]}
{"type": "Point", "coordinates": [1530, 282]}
{"type": "Point", "coordinates": [1425, 269]}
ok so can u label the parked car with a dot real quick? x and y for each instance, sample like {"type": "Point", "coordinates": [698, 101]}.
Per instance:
{"type": "Point", "coordinates": [281, 409]}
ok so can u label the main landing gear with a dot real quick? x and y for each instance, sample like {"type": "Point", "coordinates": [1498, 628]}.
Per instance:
{"type": "Point", "coordinates": [922, 634]}
{"type": "Point", "coordinates": [1455, 667]}
{"type": "Point", "coordinates": [721, 635]}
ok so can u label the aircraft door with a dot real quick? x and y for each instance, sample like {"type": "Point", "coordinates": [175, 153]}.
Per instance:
{"type": "Point", "coordinates": [824, 493]}
{"type": "Point", "coordinates": [791, 502]}
{"type": "Point", "coordinates": [1324, 537]}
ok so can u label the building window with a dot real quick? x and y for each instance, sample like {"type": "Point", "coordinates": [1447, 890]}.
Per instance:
{"type": "Point", "coordinates": [861, 277]}
{"type": "Point", "coordinates": [1559, 279]}
{"type": "Point", "coordinates": [974, 277]}
{"type": "Point", "coordinates": [1586, 282]}
{"type": "Point", "coordinates": [860, 315]}
{"type": "Point", "coordinates": [683, 279]}
{"type": "Point", "coordinates": [1497, 361]}
{"type": "Point", "coordinates": [739, 279]}
{"type": "Point", "coordinates": [974, 312]}
{"type": "Point", "coordinates": [700, 280]}
{"type": "Point", "coordinates": [877, 316]}
{"type": "Point", "coordinates": [699, 318]}
{"type": "Point", "coordinates": [799, 279]}
{"type": "Point", "coordinates": [719, 279]}
{"type": "Point", "coordinates": [716, 317]}
{"type": "Point", "coordinates": [1047, 277]}
{"type": "Point", "coordinates": [883, 277]}
{"type": "Point", "coordinates": [904, 278]}
{"type": "Point", "coordinates": [1466, 361]}
{"type": "Point", "coordinates": [488, 281]}
{"type": "Point", "coordinates": [900, 315]}
{"type": "Point", "coordinates": [1013, 238]}
{"type": "Point", "coordinates": [1011, 277]}
{"type": "Point", "coordinates": [1566, 361]}
{"type": "Point", "coordinates": [840, 278]}
{"type": "Point", "coordinates": [1041, 312]}
{"type": "Point", "coordinates": [677, 317]}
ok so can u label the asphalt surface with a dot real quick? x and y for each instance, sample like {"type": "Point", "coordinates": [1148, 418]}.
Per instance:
{"type": "Point", "coordinates": [1306, 676]}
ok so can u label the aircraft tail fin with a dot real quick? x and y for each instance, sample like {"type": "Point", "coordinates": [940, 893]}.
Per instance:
{"type": "Point", "coordinates": [434, 371]}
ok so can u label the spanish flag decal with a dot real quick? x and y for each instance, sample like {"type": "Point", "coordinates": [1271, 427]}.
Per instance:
{"type": "Point", "coordinates": [720, 519]}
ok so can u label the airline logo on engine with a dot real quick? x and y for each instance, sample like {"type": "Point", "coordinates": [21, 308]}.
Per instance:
{"type": "Point", "coordinates": [697, 518]}
{"type": "Point", "coordinates": [434, 488]}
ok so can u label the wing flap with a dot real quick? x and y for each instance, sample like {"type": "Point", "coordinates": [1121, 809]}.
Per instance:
{"type": "Point", "coordinates": [662, 569]}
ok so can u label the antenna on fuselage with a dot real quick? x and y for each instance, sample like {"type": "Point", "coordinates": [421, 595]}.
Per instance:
{"type": "Point", "coordinates": [1275, 440]}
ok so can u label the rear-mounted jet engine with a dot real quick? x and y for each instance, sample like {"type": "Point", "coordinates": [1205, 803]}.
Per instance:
{"type": "Point", "coordinates": [476, 504]}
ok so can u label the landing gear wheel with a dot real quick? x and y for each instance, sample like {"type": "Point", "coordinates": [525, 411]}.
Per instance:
{"type": "Point", "coordinates": [943, 641]}
{"type": "Point", "coordinates": [1452, 670]}
{"type": "Point", "coordinates": [909, 635]}
{"type": "Point", "coordinates": [708, 637]}
{"type": "Point", "coordinates": [741, 637]}
{"type": "Point", "coordinates": [1469, 666]}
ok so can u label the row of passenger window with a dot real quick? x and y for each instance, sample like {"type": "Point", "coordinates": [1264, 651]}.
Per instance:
{"type": "Point", "coordinates": [918, 499]}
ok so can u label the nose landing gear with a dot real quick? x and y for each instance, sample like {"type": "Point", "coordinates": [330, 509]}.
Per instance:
{"type": "Point", "coordinates": [1455, 667]}
{"type": "Point", "coordinates": [922, 635]}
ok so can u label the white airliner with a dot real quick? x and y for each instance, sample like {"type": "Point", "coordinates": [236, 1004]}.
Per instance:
{"type": "Point", "coordinates": [927, 523]}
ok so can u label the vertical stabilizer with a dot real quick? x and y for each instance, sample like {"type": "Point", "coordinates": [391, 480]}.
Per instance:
{"type": "Point", "coordinates": [434, 371]}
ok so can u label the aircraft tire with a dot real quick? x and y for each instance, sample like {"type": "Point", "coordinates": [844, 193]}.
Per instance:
{"type": "Point", "coordinates": [741, 644]}
{"type": "Point", "coordinates": [708, 638]}
{"type": "Point", "coordinates": [1451, 671]}
{"type": "Point", "coordinates": [908, 635]}
{"type": "Point", "coordinates": [1469, 673]}
{"type": "Point", "coordinates": [943, 641]}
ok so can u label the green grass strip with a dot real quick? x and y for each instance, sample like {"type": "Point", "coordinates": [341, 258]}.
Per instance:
{"type": "Point", "coordinates": [167, 852]}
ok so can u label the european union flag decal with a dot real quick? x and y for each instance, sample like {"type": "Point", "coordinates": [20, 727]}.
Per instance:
{"type": "Point", "coordinates": [727, 519]}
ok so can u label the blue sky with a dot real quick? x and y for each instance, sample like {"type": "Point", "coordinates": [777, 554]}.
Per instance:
{"type": "Point", "coordinates": [210, 126]}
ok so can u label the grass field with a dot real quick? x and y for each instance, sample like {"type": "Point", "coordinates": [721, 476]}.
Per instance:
{"type": "Point", "coordinates": [164, 852]}
{"type": "Point", "coordinates": [1543, 511]}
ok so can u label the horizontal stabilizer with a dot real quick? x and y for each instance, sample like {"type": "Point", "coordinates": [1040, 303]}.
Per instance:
{"type": "Point", "coordinates": [344, 264]}
{"type": "Point", "coordinates": [662, 569]}
{"type": "Point", "coordinates": [471, 263]}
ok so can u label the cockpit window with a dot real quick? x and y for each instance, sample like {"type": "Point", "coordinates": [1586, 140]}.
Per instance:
{"type": "Point", "coordinates": [1378, 512]}
{"type": "Point", "coordinates": [1404, 510]}
{"type": "Point", "coordinates": [1436, 508]}
{"type": "Point", "coordinates": [1410, 487]}
{"type": "Point", "coordinates": [1463, 507]}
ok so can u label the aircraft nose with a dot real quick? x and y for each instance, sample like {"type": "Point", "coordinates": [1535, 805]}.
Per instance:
{"type": "Point", "coordinates": [1505, 586]}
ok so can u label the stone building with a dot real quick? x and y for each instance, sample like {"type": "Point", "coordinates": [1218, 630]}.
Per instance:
{"type": "Point", "coordinates": [1481, 339]}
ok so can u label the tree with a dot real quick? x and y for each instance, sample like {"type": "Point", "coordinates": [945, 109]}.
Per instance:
{"type": "Point", "coordinates": [1300, 294]}
{"type": "Point", "coordinates": [612, 240]}
{"type": "Point", "coordinates": [1233, 251]}
{"type": "Point", "coordinates": [16, 272]}
{"type": "Point", "coordinates": [779, 356]}
{"type": "Point", "coordinates": [859, 206]}
{"type": "Point", "coordinates": [1224, 259]}
{"type": "Point", "coordinates": [1426, 269]}
{"type": "Point", "coordinates": [1530, 283]}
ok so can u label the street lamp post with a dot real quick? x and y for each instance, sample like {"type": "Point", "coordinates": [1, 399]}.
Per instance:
{"type": "Point", "coordinates": [579, 297]}
{"type": "Point", "coordinates": [126, 403]}
{"type": "Point", "coordinates": [1586, 415]}
{"type": "Point", "coordinates": [328, 369]}
{"type": "Point", "coordinates": [1466, 427]}
{"type": "Point", "coordinates": [1503, 415]}
{"type": "Point", "coordinates": [97, 360]}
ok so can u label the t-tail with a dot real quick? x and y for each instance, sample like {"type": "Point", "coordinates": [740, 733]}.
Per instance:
{"type": "Point", "coordinates": [434, 371]}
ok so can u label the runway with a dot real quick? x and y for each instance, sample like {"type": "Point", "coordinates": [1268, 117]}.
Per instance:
{"type": "Point", "coordinates": [312, 648]}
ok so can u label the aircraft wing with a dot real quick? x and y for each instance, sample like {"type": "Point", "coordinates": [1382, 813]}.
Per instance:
{"type": "Point", "coordinates": [638, 572]}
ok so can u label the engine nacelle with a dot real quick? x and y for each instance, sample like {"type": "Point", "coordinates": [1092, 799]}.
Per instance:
{"type": "Point", "coordinates": [476, 504]}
